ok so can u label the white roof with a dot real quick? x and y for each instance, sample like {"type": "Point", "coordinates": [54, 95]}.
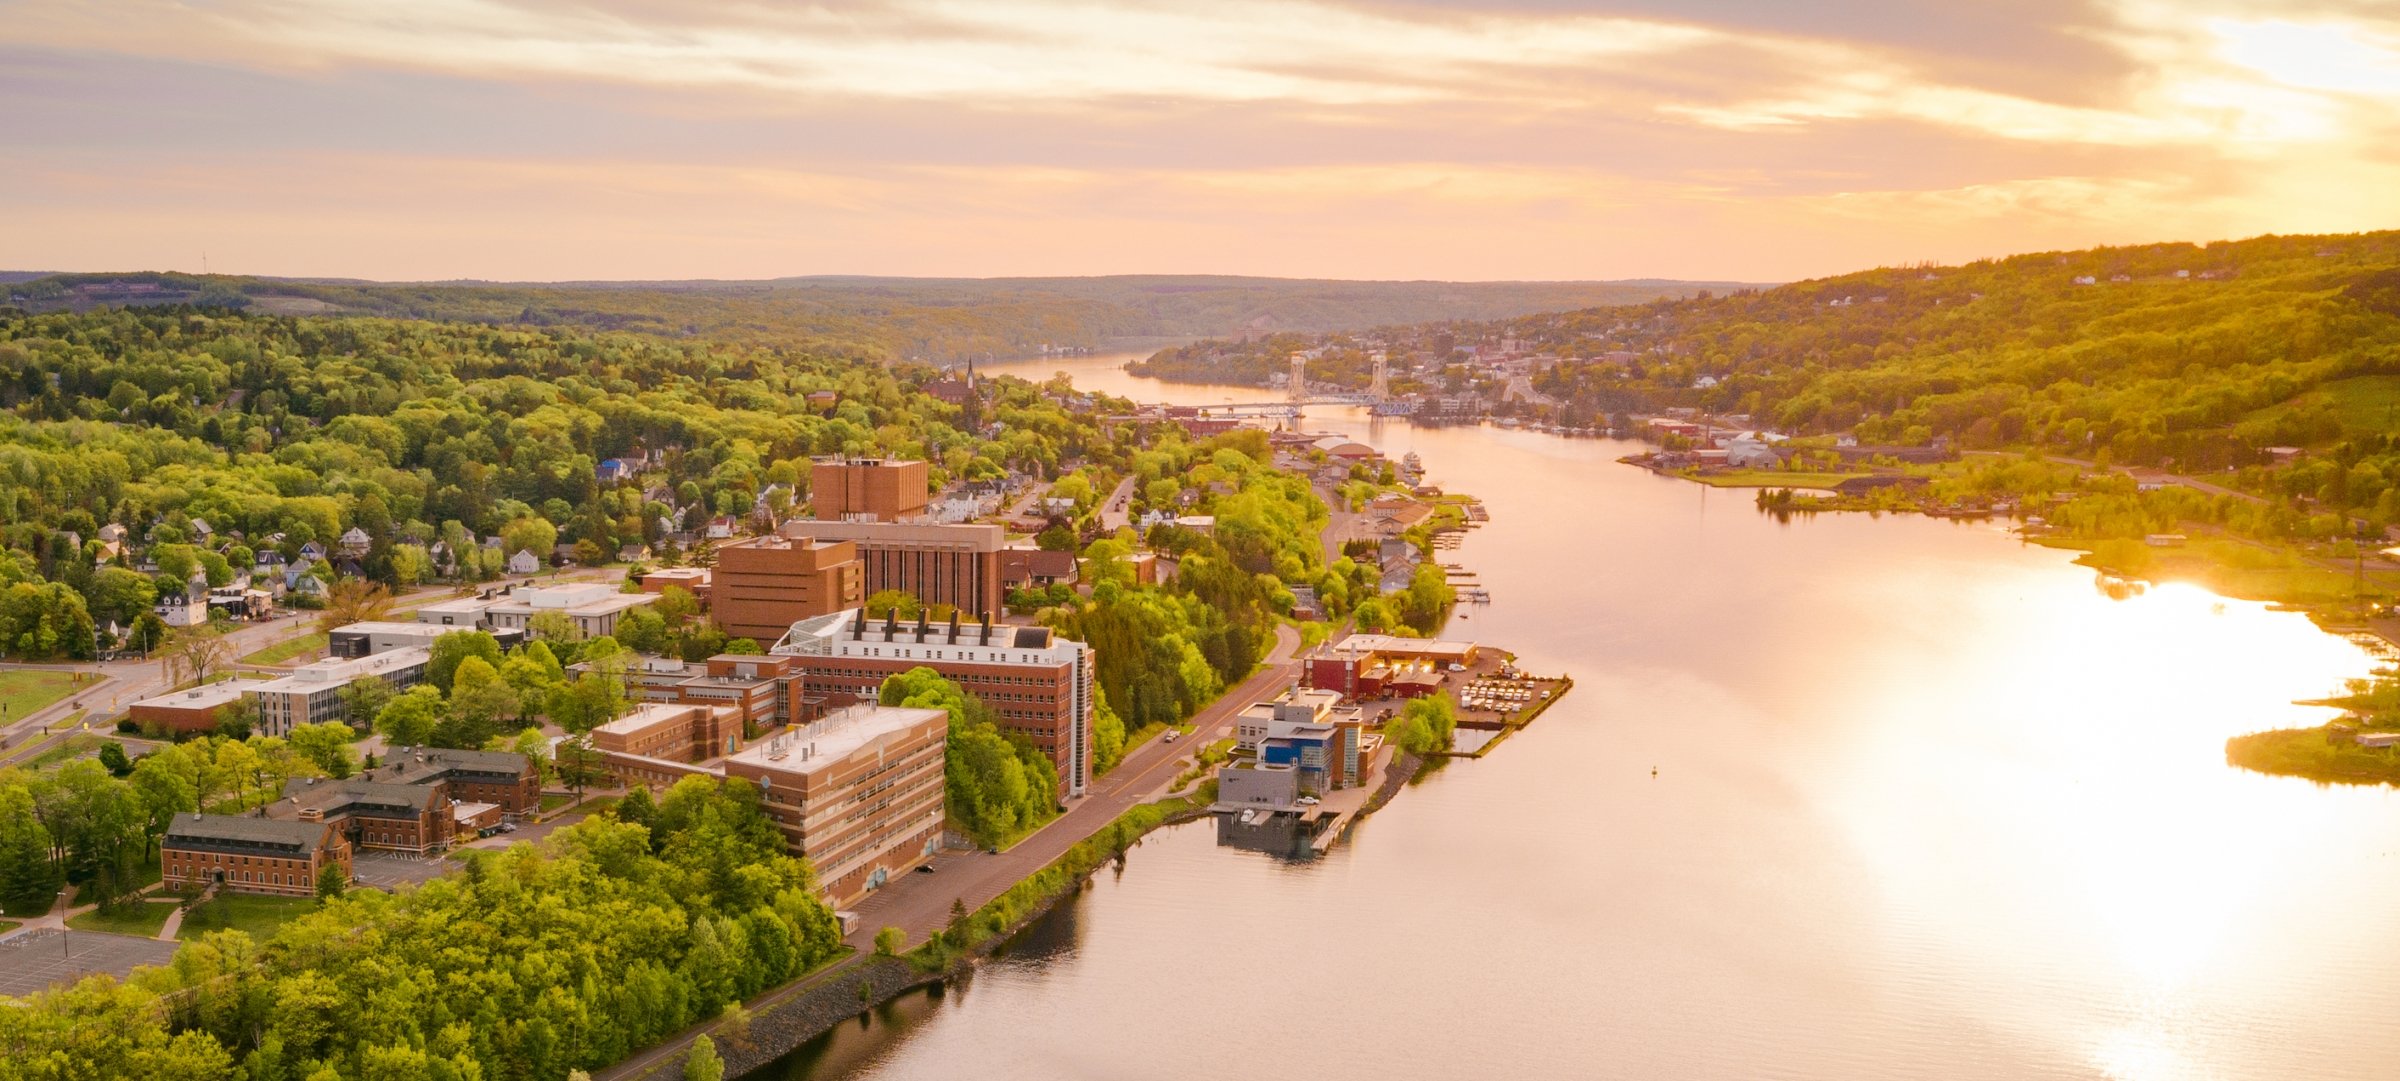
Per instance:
{"type": "Point", "coordinates": [206, 696]}
{"type": "Point", "coordinates": [841, 734]}
{"type": "Point", "coordinates": [334, 672]}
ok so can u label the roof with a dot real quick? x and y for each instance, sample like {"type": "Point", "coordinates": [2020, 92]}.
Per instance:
{"type": "Point", "coordinates": [243, 829]}
{"type": "Point", "coordinates": [840, 735]}
{"type": "Point", "coordinates": [209, 696]}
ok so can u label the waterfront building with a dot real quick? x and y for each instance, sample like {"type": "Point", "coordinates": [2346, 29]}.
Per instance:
{"type": "Point", "coordinates": [248, 854]}
{"type": "Point", "coordinates": [955, 565]}
{"type": "Point", "coordinates": [764, 585]}
{"type": "Point", "coordinates": [857, 793]}
{"type": "Point", "coordinates": [312, 694]}
{"type": "Point", "coordinates": [1307, 731]}
{"type": "Point", "coordinates": [1036, 683]}
{"type": "Point", "coordinates": [1275, 787]}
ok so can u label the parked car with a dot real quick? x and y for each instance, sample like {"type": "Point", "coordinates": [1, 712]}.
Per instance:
{"type": "Point", "coordinates": [924, 868]}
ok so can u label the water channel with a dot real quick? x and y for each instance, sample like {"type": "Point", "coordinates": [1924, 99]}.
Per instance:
{"type": "Point", "coordinates": [1927, 803]}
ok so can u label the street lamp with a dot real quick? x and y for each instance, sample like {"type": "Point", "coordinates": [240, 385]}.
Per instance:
{"type": "Point", "coordinates": [63, 953]}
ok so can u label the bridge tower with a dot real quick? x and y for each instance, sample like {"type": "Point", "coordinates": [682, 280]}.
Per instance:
{"type": "Point", "coordinates": [1381, 388]}
{"type": "Point", "coordinates": [1299, 384]}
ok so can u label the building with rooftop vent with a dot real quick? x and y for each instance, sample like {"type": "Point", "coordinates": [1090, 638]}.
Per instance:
{"type": "Point", "coordinates": [857, 793]}
{"type": "Point", "coordinates": [192, 710]}
{"type": "Point", "coordinates": [1036, 683]}
{"type": "Point", "coordinates": [956, 565]}
{"type": "Point", "coordinates": [594, 606]}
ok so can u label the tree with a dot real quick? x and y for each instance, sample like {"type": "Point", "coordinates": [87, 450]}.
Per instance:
{"type": "Point", "coordinates": [553, 626]}
{"type": "Point", "coordinates": [451, 648]}
{"type": "Point", "coordinates": [112, 756]}
{"type": "Point", "coordinates": [363, 700]}
{"type": "Point", "coordinates": [330, 882]}
{"type": "Point", "coordinates": [120, 595]}
{"type": "Point", "coordinates": [195, 652]}
{"type": "Point", "coordinates": [147, 633]}
{"type": "Point", "coordinates": [894, 602]}
{"type": "Point", "coordinates": [578, 765]}
{"type": "Point", "coordinates": [479, 700]}
{"type": "Point", "coordinates": [529, 534]}
{"type": "Point", "coordinates": [703, 1063]}
{"type": "Point", "coordinates": [29, 877]}
{"type": "Point", "coordinates": [410, 719]}
{"type": "Point", "coordinates": [1425, 725]}
{"type": "Point", "coordinates": [353, 600]}
{"type": "Point", "coordinates": [889, 940]}
{"type": "Point", "coordinates": [327, 745]}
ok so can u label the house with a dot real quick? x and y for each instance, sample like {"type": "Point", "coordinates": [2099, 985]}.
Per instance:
{"type": "Point", "coordinates": [633, 553]}
{"type": "Point", "coordinates": [1751, 450]}
{"type": "Point", "coordinates": [355, 543]}
{"type": "Point", "coordinates": [112, 533]}
{"type": "Point", "coordinates": [722, 527]}
{"type": "Point", "coordinates": [188, 608]}
{"type": "Point", "coordinates": [312, 552]}
{"type": "Point", "coordinates": [823, 399]}
{"type": "Point", "coordinates": [524, 562]}
{"type": "Point", "coordinates": [201, 531]}
{"type": "Point", "coordinates": [613, 470]}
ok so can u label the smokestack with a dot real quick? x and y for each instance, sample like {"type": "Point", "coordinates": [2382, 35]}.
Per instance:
{"type": "Point", "coordinates": [891, 625]}
{"type": "Point", "coordinates": [954, 626]}
{"type": "Point", "coordinates": [862, 621]}
{"type": "Point", "coordinates": [920, 626]}
{"type": "Point", "coordinates": [987, 628]}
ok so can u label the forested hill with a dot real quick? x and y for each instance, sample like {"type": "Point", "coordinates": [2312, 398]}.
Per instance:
{"type": "Point", "coordinates": [931, 319]}
{"type": "Point", "coordinates": [2201, 354]}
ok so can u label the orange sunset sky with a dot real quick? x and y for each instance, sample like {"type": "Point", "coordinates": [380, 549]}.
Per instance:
{"type": "Point", "coordinates": [1757, 141]}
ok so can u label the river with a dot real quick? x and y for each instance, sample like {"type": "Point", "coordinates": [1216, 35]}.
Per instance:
{"type": "Point", "coordinates": [1927, 803]}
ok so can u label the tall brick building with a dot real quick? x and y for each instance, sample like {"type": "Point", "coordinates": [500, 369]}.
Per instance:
{"type": "Point", "coordinates": [1035, 682]}
{"type": "Point", "coordinates": [858, 794]}
{"type": "Point", "coordinates": [762, 586]}
{"type": "Point", "coordinates": [957, 565]}
{"type": "Point", "coordinates": [250, 855]}
{"type": "Point", "coordinates": [867, 489]}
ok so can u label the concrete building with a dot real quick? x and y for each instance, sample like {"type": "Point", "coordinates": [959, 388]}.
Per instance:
{"type": "Point", "coordinates": [368, 638]}
{"type": "Point", "coordinates": [247, 854]}
{"type": "Point", "coordinates": [312, 694]}
{"type": "Point", "coordinates": [193, 710]}
{"type": "Point", "coordinates": [593, 606]}
{"type": "Point", "coordinates": [867, 489]}
{"type": "Point", "coordinates": [1274, 787]}
{"type": "Point", "coordinates": [1308, 732]}
{"type": "Point", "coordinates": [956, 565]}
{"type": "Point", "coordinates": [1036, 683]}
{"type": "Point", "coordinates": [765, 585]}
{"type": "Point", "coordinates": [765, 690]}
{"type": "Point", "coordinates": [458, 613]}
{"type": "Point", "coordinates": [858, 794]}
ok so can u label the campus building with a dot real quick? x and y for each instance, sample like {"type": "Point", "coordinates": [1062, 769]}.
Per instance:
{"type": "Point", "coordinates": [366, 639]}
{"type": "Point", "coordinates": [659, 742]}
{"type": "Point", "coordinates": [1307, 732]}
{"type": "Point", "coordinates": [312, 694]}
{"type": "Point", "coordinates": [765, 690]}
{"type": "Point", "coordinates": [247, 854]}
{"type": "Point", "coordinates": [867, 489]}
{"type": "Point", "coordinates": [764, 585]}
{"type": "Point", "coordinates": [593, 606]}
{"type": "Point", "coordinates": [857, 793]}
{"type": "Point", "coordinates": [419, 799]}
{"type": "Point", "coordinates": [956, 565]}
{"type": "Point", "coordinates": [193, 710]}
{"type": "Point", "coordinates": [1036, 683]}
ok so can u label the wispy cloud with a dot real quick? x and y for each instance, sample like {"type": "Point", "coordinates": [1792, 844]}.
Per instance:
{"type": "Point", "coordinates": [1510, 138]}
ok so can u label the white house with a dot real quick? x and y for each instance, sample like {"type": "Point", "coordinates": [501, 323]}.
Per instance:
{"type": "Point", "coordinates": [524, 562]}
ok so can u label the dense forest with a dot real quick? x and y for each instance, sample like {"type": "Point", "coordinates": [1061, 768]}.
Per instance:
{"type": "Point", "coordinates": [612, 934]}
{"type": "Point", "coordinates": [925, 319]}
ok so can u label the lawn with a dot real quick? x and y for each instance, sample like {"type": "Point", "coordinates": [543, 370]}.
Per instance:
{"type": "Point", "coordinates": [141, 919]}
{"type": "Point", "coordinates": [74, 746]}
{"type": "Point", "coordinates": [23, 690]}
{"type": "Point", "coordinates": [260, 916]}
{"type": "Point", "coordinates": [1772, 478]}
{"type": "Point", "coordinates": [284, 651]}
{"type": "Point", "coordinates": [9, 925]}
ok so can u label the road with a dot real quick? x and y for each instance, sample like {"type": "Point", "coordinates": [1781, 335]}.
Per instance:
{"type": "Point", "coordinates": [1117, 512]}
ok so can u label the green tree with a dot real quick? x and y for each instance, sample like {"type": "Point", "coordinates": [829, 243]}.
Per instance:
{"type": "Point", "coordinates": [331, 883]}
{"type": "Point", "coordinates": [327, 745]}
{"type": "Point", "coordinates": [703, 1064]}
{"type": "Point", "coordinates": [889, 940]}
{"type": "Point", "coordinates": [452, 648]}
{"type": "Point", "coordinates": [410, 719]}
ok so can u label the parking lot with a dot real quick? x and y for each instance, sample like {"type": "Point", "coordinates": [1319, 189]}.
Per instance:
{"type": "Point", "coordinates": [391, 870]}
{"type": "Point", "coordinates": [36, 959]}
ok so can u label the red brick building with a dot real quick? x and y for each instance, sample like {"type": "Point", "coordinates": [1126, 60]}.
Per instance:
{"type": "Point", "coordinates": [246, 854]}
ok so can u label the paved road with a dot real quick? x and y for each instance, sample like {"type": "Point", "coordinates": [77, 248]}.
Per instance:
{"type": "Point", "coordinates": [1117, 512]}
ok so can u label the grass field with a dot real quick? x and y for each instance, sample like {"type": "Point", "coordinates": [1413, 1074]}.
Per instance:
{"type": "Point", "coordinates": [141, 919]}
{"type": "Point", "coordinates": [2305, 752]}
{"type": "Point", "coordinates": [1771, 478]}
{"type": "Point", "coordinates": [285, 651]}
{"type": "Point", "coordinates": [260, 916]}
{"type": "Point", "coordinates": [23, 690]}
{"type": "Point", "coordinates": [9, 925]}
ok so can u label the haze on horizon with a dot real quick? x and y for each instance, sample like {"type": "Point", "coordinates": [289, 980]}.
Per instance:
{"type": "Point", "coordinates": [1467, 139]}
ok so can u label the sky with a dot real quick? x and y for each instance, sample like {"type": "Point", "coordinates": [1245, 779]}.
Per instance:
{"type": "Point", "coordinates": [1745, 140]}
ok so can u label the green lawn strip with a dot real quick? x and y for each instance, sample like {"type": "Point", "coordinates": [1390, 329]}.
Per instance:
{"type": "Point", "coordinates": [2311, 753]}
{"type": "Point", "coordinates": [1772, 478]}
{"type": "Point", "coordinates": [259, 915]}
{"type": "Point", "coordinates": [9, 925]}
{"type": "Point", "coordinates": [141, 919]}
{"type": "Point", "coordinates": [24, 690]}
{"type": "Point", "coordinates": [284, 651]}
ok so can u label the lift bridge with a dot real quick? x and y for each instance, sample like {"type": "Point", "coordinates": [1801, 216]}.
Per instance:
{"type": "Point", "coordinates": [1377, 397]}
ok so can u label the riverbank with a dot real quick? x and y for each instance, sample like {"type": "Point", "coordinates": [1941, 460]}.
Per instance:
{"type": "Point", "coordinates": [2325, 755]}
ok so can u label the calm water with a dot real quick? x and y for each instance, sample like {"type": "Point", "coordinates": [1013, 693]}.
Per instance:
{"type": "Point", "coordinates": [1928, 804]}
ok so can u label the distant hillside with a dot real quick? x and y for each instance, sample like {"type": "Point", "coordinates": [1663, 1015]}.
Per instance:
{"type": "Point", "coordinates": [933, 319]}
